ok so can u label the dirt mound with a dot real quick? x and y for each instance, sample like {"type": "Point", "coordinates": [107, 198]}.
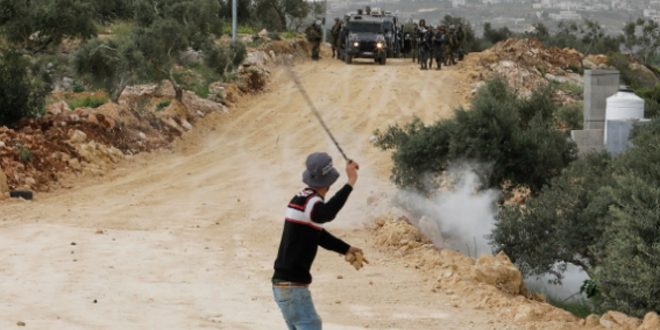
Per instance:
{"type": "Point", "coordinates": [488, 282]}
{"type": "Point", "coordinates": [527, 65]}
{"type": "Point", "coordinates": [40, 151]}
{"type": "Point", "coordinates": [255, 70]}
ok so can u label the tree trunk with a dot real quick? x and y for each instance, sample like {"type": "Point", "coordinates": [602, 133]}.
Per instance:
{"type": "Point", "coordinates": [281, 14]}
{"type": "Point", "coordinates": [121, 86]}
{"type": "Point", "coordinates": [177, 88]}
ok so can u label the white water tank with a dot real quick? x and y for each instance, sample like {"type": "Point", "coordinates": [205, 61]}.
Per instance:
{"type": "Point", "coordinates": [623, 106]}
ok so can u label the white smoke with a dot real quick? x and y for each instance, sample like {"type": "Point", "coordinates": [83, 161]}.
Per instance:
{"type": "Point", "coordinates": [459, 215]}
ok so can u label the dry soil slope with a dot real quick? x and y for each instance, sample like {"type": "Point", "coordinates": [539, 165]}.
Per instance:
{"type": "Point", "coordinates": [185, 238]}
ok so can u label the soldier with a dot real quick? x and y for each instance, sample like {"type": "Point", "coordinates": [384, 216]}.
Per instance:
{"type": "Point", "coordinates": [460, 38]}
{"type": "Point", "coordinates": [314, 35]}
{"type": "Point", "coordinates": [439, 40]}
{"type": "Point", "coordinates": [451, 47]}
{"type": "Point", "coordinates": [336, 29]}
{"type": "Point", "coordinates": [415, 43]}
{"type": "Point", "coordinates": [343, 36]}
{"type": "Point", "coordinates": [430, 36]}
{"type": "Point", "coordinates": [424, 48]}
{"type": "Point", "coordinates": [408, 44]}
{"type": "Point", "coordinates": [421, 34]}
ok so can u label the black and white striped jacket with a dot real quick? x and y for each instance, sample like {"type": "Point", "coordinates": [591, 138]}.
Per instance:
{"type": "Point", "coordinates": [303, 233]}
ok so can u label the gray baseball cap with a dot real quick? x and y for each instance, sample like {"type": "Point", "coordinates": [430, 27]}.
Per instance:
{"type": "Point", "coordinates": [320, 172]}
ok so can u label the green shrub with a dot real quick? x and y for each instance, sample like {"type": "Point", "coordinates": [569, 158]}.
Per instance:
{"type": "Point", "coordinates": [119, 29]}
{"type": "Point", "coordinates": [571, 116]}
{"type": "Point", "coordinates": [562, 224]}
{"type": "Point", "coordinates": [289, 35]}
{"type": "Point", "coordinates": [651, 97]}
{"type": "Point", "coordinates": [237, 54]}
{"type": "Point", "coordinates": [274, 36]}
{"type": "Point", "coordinates": [245, 29]}
{"type": "Point", "coordinates": [197, 79]}
{"type": "Point", "coordinates": [89, 101]}
{"type": "Point", "coordinates": [576, 69]}
{"type": "Point", "coordinates": [628, 276]}
{"type": "Point", "coordinates": [603, 215]}
{"type": "Point", "coordinates": [163, 104]}
{"type": "Point", "coordinates": [218, 59]}
{"type": "Point", "coordinates": [21, 93]}
{"type": "Point", "coordinates": [24, 154]}
{"type": "Point", "coordinates": [516, 136]}
{"type": "Point", "coordinates": [78, 87]}
{"type": "Point", "coordinates": [571, 89]}
{"type": "Point", "coordinates": [580, 308]}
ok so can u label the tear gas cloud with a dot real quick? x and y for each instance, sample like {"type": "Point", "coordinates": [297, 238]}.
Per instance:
{"type": "Point", "coordinates": [459, 216]}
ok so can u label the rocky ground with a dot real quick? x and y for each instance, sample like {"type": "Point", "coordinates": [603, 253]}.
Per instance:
{"type": "Point", "coordinates": [40, 151]}
{"type": "Point", "coordinates": [527, 65]}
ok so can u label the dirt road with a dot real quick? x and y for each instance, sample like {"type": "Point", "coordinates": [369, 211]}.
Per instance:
{"type": "Point", "coordinates": [185, 238]}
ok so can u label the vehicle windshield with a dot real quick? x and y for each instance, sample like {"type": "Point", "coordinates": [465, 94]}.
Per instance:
{"type": "Point", "coordinates": [365, 27]}
{"type": "Point", "coordinates": [389, 26]}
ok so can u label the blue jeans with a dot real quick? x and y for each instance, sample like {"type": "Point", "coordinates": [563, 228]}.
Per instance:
{"type": "Point", "coordinates": [297, 308]}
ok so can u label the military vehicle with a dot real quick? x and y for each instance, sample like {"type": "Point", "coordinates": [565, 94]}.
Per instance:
{"type": "Point", "coordinates": [364, 37]}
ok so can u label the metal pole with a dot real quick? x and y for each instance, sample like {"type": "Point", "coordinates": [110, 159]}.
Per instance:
{"type": "Point", "coordinates": [234, 19]}
{"type": "Point", "coordinates": [315, 111]}
{"type": "Point", "coordinates": [325, 21]}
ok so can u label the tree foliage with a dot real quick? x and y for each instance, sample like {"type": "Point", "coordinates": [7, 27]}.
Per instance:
{"type": "Point", "coordinates": [516, 136]}
{"type": "Point", "coordinates": [111, 64]}
{"type": "Point", "coordinates": [245, 9]}
{"type": "Point", "coordinates": [628, 276]}
{"type": "Point", "coordinates": [642, 37]}
{"type": "Point", "coordinates": [21, 93]}
{"type": "Point", "coordinates": [603, 215]}
{"type": "Point", "coordinates": [494, 36]}
{"type": "Point", "coordinates": [562, 224]}
{"type": "Point", "coordinates": [587, 36]}
{"type": "Point", "coordinates": [38, 24]}
{"type": "Point", "coordinates": [164, 30]}
{"type": "Point", "coordinates": [468, 39]}
{"type": "Point", "coordinates": [276, 15]}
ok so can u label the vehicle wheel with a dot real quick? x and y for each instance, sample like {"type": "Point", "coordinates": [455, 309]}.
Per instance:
{"type": "Point", "coordinates": [383, 60]}
{"type": "Point", "coordinates": [348, 59]}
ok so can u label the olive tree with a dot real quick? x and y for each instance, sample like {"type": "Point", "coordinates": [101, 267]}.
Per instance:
{"type": "Point", "coordinates": [36, 25]}
{"type": "Point", "coordinates": [152, 51]}
{"type": "Point", "coordinates": [21, 93]}
{"type": "Point", "coordinates": [516, 136]}
{"type": "Point", "coordinates": [628, 275]}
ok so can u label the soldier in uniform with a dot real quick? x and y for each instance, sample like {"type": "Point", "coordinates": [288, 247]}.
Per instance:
{"type": "Point", "coordinates": [415, 43]}
{"type": "Point", "coordinates": [451, 47]}
{"type": "Point", "coordinates": [336, 29]}
{"type": "Point", "coordinates": [439, 40]}
{"type": "Point", "coordinates": [343, 36]}
{"type": "Point", "coordinates": [460, 40]}
{"type": "Point", "coordinates": [430, 36]}
{"type": "Point", "coordinates": [314, 36]}
{"type": "Point", "coordinates": [424, 48]}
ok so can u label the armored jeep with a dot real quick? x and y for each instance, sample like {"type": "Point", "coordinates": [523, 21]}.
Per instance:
{"type": "Point", "coordinates": [364, 38]}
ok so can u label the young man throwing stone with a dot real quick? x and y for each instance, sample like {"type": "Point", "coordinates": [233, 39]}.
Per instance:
{"type": "Point", "coordinates": [304, 233]}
